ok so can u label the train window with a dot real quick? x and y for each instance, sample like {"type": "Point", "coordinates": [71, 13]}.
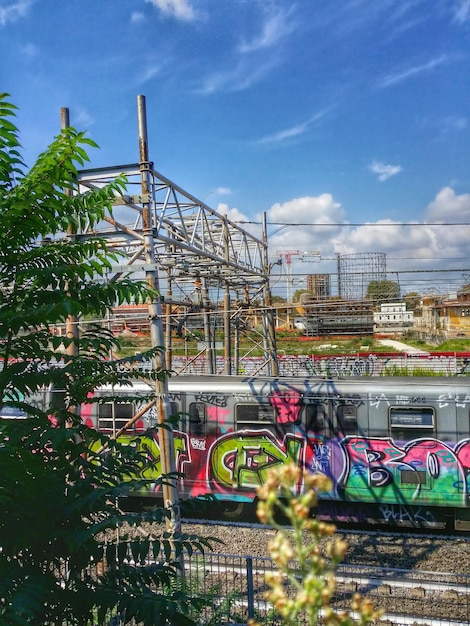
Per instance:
{"type": "Point", "coordinates": [197, 419]}
{"type": "Point", "coordinates": [315, 418]}
{"type": "Point", "coordinates": [413, 477]}
{"type": "Point", "coordinates": [112, 416]}
{"type": "Point", "coordinates": [411, 422]}
{"type": "Point", "coordinates": [254, 415]}
{"type": "Point", "coordinates": [347, 419]}
{"type": "Point", "coordinates": [411, 417]}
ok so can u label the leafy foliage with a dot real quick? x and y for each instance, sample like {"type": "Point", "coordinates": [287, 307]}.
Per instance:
{"type": "Point", "coordinates": [60, 560]}
{"type": "Point", "coordinates": [380, 291]}
{"type": "Point", "coordinates": [412, 300]}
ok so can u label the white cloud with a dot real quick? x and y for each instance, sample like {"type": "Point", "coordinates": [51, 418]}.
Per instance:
{"type": "Point", "coordinates": [148, 73]}
{"type": "Point", "coordinates": [384, 171]}
{"type": "Point", "coordinates": [29, 50]}
{"type": "Point", "coordinates": [294, 131]}
{"type": "Point", "coordinates": [319, 224]}
{"type": "Point", "coordinates": [399, 76]}
{"type": "Point", "coordinates": [81, 118]}
{"type": "Point", "coordinates": [430, 244]}
{"type": "Point", "coordinates": [307, 211]}
{"type": "Point", "coordinates": [276, 27]}
{"type": "Point", "coordinates": [137, 17]}
{"type": "Point", "coordinates": [238, 78]}
{"type": "Point", "coordinates": [13, 10]}
{"type": "Point", "coordinates": [253, 60]}
{"type": "Point", "coordinates": [462, 12]}
{"type": "Point", "coordinates": [232, 213]}
{"type": "Point", "coordinates": [181, 9]}
{"type": "Point", "coordinates": [449, 207]}
{"type": "Point", "coordinates": [454, 122]}
{"type": "Point", "coordinates": [223, 191]}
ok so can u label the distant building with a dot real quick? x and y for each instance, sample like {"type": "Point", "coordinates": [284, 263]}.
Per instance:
{"type": "Point", "coordinates": [393, 318]}
{"type": "Point", "coordinates": [319, 286]}
{"type": "Point", "coordinates": [452, 315]}
{"type": "Point", "coordinates": [336, 317]}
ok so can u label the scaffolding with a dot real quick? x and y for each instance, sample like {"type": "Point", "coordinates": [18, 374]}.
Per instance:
{"type": "Point", "coordinates": [356, 271]}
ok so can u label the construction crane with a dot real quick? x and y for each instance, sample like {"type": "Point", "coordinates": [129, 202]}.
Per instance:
{"type": "Point", "coordinates": [287, 255]}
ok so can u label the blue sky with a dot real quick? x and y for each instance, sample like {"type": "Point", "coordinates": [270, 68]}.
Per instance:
{"type": "Point", "coordinates": [335, 112]}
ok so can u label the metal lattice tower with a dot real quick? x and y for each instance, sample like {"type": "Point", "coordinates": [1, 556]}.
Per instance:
{"type": "Point", "coordinates": [356, 271]}
{"type": "Point", "coordinates": [162, 229]}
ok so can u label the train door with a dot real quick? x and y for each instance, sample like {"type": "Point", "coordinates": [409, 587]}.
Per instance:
{"type": "Point", "coordinates": [258, 445]}
{"type": "Point", "coordinates": [413, 431]}
{"type": "Point", "coordinates": [245, 454]}
{"type": "Point", "coordinates": [329, 423]}
{"type": "Point", "coordinates": [462, 520]}
{"type": "Point", "coordinates": [316, 417]}
{"type": "Point", "coordinates": [317, 421]}
{"type": "Point", "coordinates": [197, 419]}
{"type": "Point", "coordinates": [201, 426]}
{"type": "Point", "coordinates": [190, 442]}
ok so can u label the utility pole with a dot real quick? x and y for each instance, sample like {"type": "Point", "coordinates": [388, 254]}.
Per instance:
{"type": "Point", "coordinates": [268, 317]}
{"type": "Point", "coordinates": [165, 434]}
{"type": "Point", "coordinates": [71, 324]}
{"type": "Point", "coordinates": [227, 324]}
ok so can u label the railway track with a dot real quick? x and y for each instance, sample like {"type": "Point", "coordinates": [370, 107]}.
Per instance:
{"type": "Point", "coordinates": [404, 597]}
{"type": "Point", "coordinates": [414, 577]}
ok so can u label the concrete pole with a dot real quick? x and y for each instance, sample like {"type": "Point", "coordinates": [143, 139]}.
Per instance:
{"type": "Point", "coordinates": [227, 332]}
{"type": "Point", "coordinates": [227, 325]}
{"type": "Point", "coordinates": [268, 317]}
{"type": "Point", "coordinates": [71, 324]}
{"type": "Point", "coordinates": [210, 364]}
{"type": "Point", "coordinates": [165, 435]}
{"type": "Point", "coordinates": [168, 342]}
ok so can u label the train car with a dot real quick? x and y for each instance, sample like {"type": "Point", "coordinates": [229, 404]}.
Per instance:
{"type": "Point", "coordinates": [397, 449]}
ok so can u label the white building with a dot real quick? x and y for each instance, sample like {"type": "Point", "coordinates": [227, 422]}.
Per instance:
{"type": "Point", "coordinates": [393, 317]}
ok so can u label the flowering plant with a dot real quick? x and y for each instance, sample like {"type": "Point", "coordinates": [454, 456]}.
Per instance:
{"type": "Point", "coordinates": [301, 564]}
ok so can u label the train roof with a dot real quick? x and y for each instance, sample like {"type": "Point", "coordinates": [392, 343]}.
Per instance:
{"type": "Point", "coordinates": [243, 384]}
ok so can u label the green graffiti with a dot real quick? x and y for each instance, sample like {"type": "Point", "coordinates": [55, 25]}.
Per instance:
{"type": "Point", "coordinates": [243, 460]}
{"type": "Point", "coordinates": [151, 467]}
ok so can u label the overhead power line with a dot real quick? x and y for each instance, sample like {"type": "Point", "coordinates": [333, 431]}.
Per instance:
{"type": "Point", "coordinates": [370, 224]}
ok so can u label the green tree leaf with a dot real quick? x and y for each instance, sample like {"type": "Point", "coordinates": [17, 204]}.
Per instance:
{"type": "Point", "coordinates": [59, 499]}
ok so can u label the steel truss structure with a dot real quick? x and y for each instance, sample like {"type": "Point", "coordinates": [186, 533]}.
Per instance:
{"type": "Point", "coordinates": [189, 237]}
{"type": "Point", "coordinates": [178, 241]}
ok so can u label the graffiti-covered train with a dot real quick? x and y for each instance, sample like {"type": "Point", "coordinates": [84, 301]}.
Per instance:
{"type": "Point", "coordinates": [397, 449]}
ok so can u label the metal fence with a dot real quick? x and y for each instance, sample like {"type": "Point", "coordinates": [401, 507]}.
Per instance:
{"type": "Point", "coordinates": [234, 589]}
{"type": "Point", "coordinates": [361, 364]}
{"type": "Point", "coordinates": [237, 586]}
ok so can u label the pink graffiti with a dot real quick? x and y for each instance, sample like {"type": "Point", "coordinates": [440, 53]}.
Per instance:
{"type": "Point", "coordinates": [287, 406]}
{"type": "Point", "coordinates": [463, 454]}
{"type": "Point", "coordinates": [428, 455]}
{"type": "Point", "coordinates": [86, 412]}
{"type": "Point", "coordinates": [216, 414]}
